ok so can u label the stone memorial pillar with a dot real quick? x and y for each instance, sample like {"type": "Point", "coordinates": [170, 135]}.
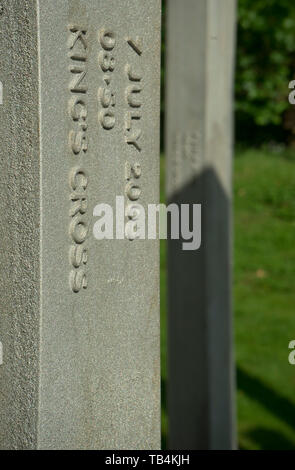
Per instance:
{"type": "Point", "coordinates": [79, 320]}
{"type": "Point", "coordinates": [199, 69]}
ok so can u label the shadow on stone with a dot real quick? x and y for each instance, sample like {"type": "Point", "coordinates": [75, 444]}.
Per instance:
{"type": "Point", "coordinates": [200, 387]}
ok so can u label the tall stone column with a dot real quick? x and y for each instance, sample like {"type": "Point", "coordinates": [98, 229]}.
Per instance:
{"type": "Point", "coordinates": [79, 321]}
{"type": "Point", "coordinates": [199, 102]}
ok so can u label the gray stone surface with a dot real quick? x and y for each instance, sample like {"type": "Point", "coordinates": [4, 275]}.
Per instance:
{"type": "Point", "coordinates": [200, 53]}
{"type": "Point", "coordinates": [79, 318]}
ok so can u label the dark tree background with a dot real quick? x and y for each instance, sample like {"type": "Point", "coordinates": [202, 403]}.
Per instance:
{"type": "Point", "coordinates": [265, 64]}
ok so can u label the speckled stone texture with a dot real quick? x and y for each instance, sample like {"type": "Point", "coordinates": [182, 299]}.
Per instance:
{"type": "Point", "coordinates": [200, 53]}
{"type": "Point", "coordinates": [79, 318]}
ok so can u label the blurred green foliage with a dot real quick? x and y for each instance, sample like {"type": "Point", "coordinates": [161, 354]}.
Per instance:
{"type": "Point", "coordinates": [265, 61]}
{"type": "Point", "coordinates": [265, 64]}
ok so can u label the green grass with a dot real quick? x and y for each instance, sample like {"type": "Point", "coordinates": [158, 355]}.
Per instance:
{"type": "Point", "coordinates": [264, 298]}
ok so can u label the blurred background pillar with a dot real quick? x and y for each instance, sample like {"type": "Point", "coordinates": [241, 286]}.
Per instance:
{"type": "Point", "coordinates": [199, 89]}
